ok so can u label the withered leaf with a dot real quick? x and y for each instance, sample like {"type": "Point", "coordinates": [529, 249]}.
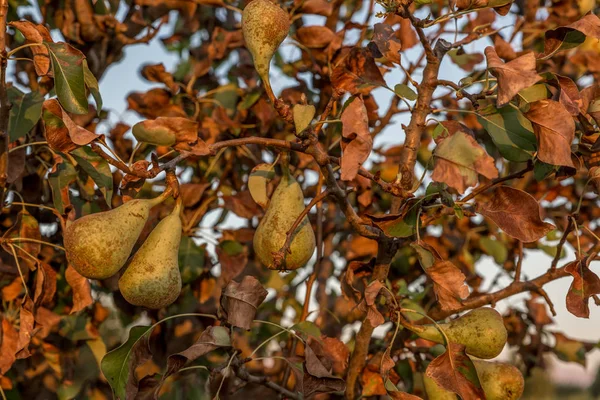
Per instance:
{"type": "Point", "coordinates": [572, 35]}
{"type": "Point", "coordinates": [570, 350]}
{"type": "Point", "coordinates": [458, 161]}
{"type": "Point", "coordinates": [513, 76]}
{"type": "Point", "coordinates": [315, 37]}
{"type": "Point", "coordinates": [448, 284]}
{"type": "Point", "coordinates": [320, 7]}
{"type": "Point", "coordinates": [467, 61]}
{"type": "Point", "coordinates": [454, 371]}
{"type": "Point", "coordinates": [26, 227]}
{"type": "Point", "coordinates": [338, 353]}
{"type": "Point", "coordinates": [555, 130]}
{"type": "Point", "coordinates": [386, 41]}
{"type": "Point", "coordinates": [242, 204]}
{"type": "Point", "coordinates": [368, 304]}
{"type": "Point", "coordinates": [585, 284]}
{"type": "Point", "coordinates": [357, 142]}
{"type": "Point", "coordinates": [240, 301]}
{"type": "Point", "coordinates": [515, 212]}
{"type": "Point", "coordinates": [315, 366]}
{"type": "Point", "coordinates": [169, 131]}
{"type": "Point", "coordinates": [158, 73]}
{"type": "Point", "coordinates": [82, 291]}
{"type": "Point", "coordinates": [470, 4]}
{"type": "Point", "coordinates": [61, 132]}
{"type": "Point", "coordinates": [26, 323]}
{"type": "Point", "coordinates": [8, 346]}
{"type": "Point", "coordinates": [569, 95]}
{"type": "Point", "coordinates": [233, 257]}
{"type": "Point", "coordinates": [36, 33]}
{"type": "Point", "coordinates": [355, 71]}
{"type": "Point", "coordinates": [45, 284]}
{"type": "Point", "coordinates": [211, 338]}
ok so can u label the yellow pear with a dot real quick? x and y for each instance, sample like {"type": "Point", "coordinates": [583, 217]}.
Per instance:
{"type": "Point", "coordinates": [152, 278]}
{"type": "Point", "coordinates": [499, 382]}
{"type": "Point", "coordinates": [98, 245]}
{"type": "Point", "coordinates": [264, 25]}
{"type": "Point", "coordinates": [285, 206]}
{"type": "Point", "coordinates": [481, 331]}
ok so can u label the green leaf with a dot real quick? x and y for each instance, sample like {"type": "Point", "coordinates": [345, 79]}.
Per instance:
{"type": "Point", "coordinates": [92, 84]}
{"type": "Point", "coordinates": [541, 170]}
{"type": "Point", "coordinates": [307, 328]}
{"type": "Point", "coordinates": [69, 77]}
{"type": "Point", "coordinates": [494, 248]}
{"type": "Point", "coordinates": [59, 180]}
{"type": "Point", "coordinates": [97, 168]}
{"type": "Point", "coordinates": [405, 91]}
{"type": "Point", "coordinates": [25, 112]}
{"type": "Point", "coordinates": [249, 100]}
{"type": "Point", "coordinates": [191, 259]}
{"type": "Point", "coordinates": [510, 130]}
{"type": "Point", "coordinates": [115, 364]}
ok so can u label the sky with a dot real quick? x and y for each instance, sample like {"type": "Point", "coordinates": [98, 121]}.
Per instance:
{"type": "Point", "coordinates": [123, 78]}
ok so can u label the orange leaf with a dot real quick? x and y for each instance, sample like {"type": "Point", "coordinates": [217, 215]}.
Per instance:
{"type": "Point", "coordinates": [585, 284]}
{"type": "Point", "coordinates": [448, 284]}
{"type": "Point", "coordinates": [357, 142]}
{"type": "Point", "coordinates": [82, 292]}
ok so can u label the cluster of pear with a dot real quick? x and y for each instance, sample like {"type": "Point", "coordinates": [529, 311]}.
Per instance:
{"type": "Point", "coordinates": [284, 208]}
{"type": "Point", "coordinates": [483, 334]}
{"type": "Point", "coordinates": [98, 246]}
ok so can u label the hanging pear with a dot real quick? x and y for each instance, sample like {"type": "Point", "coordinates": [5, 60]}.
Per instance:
{"type": "Point", "coordinates": [98, 245]}
{"type": "Point", "coordinates": [264, 25]}
{"type": "Point", "coordinates": [285, 206]}
{"type": "Point", "coordinates": [481, 331]}
{"type": "Point", "coordinates": [499, 382]}
{"type": "Point", "coordinates": [152, 278]}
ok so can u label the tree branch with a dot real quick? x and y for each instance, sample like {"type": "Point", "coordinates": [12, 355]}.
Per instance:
{"type": "Point", "coordinates": [4, 105]}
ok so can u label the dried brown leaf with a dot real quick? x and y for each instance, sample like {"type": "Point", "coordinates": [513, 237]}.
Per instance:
{"type": "Point", "coordinates": [555, 131]}
{"type": "Point", "coordinates": [513, 76]}
{"type": "Point", "coordinates": [585, 284]}
{"type": "Point", "coordinates": [82, 291]}
{"type": "Point", "coordinates": [357, 142]}
{"type": "Point", "coordinates": [515, 212]}
{"type": "Point", "coordinates": [386, 41]}
{"type": "Point", "coordinates": [448, 284]}
{"type": "Point", "coordinates": [240, 301]}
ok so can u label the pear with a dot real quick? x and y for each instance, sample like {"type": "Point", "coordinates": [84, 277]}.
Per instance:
{"type": "Point", "coordinates": [481, 331]}
{"type": "Point", "coordinates": [264, 25]}
{"type": "Point", "coordinates": [285, 206]}
{"type": "Point", "coordinates": [152, 278]}
{"type": "Point", "coordinates": [499, 382]}
{"type": "Point", "coordinates": [98, 245]}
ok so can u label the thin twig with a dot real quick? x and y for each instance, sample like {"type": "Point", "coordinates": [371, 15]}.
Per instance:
{"type": "Point", "coordinates": [561, 244]}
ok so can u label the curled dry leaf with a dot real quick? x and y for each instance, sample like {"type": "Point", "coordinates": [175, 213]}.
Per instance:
{"type": "Point", "coordinates": [448, 284]}
{"type": "Point", "coordinates": [458, 161]}
{"type": "Point", "coordinates": [26, 323]}
{"type": "Point", "coordinates": [454, 371]}
{"type": "Point", "coordinates": [585, 284]}
{"type": "Point", "coordinates": [513, 76]}
{"type": "Point", "coordinates": [569, 95]}
{"type": "Point", "coordinates": [240, 301]}
{"type": "Point", "coordinates": [211, 338]}
{"type": "Point", "coordinates": [60, 131]}
{"type": "Point", "coordinates": [26, 227]}
{"type": "Point", "coordinates": [572, 35]}
{"type": "Point", "coordinates": [555, 131]}
{"type": "Point", "coordinates": [315, 37]}
{"type": "Point", "coordinates": [36, 33]}
{"type": "Point", "coordinates": [357, 142]}
{"type": "Point", "coordinates": [158, 73]}
{"type": "Point", "coordinates": [82, 291]}
{"type": "Point", "coordinates": [8, 345]}
{"type": "Point", "coordinates": [571, 350]}
{"type": "Point", "coordinates": [387, 42]}
{"type": "Point", "coordinates": [368, 304]}
{"type": "Point", "coordinates": [355, 71]}
{"type": "Point", "coordinates": [515, 212]}
{"type": "Point", "coordinates": [167, 131]}
{"type": "Point", "coordinates": [45, 284]}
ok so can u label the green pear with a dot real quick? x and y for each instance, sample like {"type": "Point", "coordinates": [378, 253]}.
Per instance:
{"type": "Point", "coordinates": [264, 25]}
{"type": "Point", "coordinates": [499, 382]}
{"type": "Point", "coordinates": [152, 278]}
{"type": "Point", "coordinates": [481, 331]}
{"type": "Point", "coordinates": [285, 206]}
{"type": "Point", "coordinates": [157, 135]}
{"type": "Point", "coordinates": [98, 245]}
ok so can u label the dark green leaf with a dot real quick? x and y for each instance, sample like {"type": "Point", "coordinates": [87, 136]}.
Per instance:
{"type": "Point", "coordinates": [92, 84]}
{"type": "Point", "coordinates": [116, 364]}
{"type": "Point", "coordinates": [63, 174]}
{"type": "Point", "coordinates": [97, 168]}
{"type": "Point", "coordinates": [25, 112]}
{"type": "Point", "coordinates": [191, 259]}
{"type": "Point", "coordinates": [404, 91]}
{"type": "Point", "coordinates": [510, 130]}
{"type": "Point", "coordinates": [69, 80]}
